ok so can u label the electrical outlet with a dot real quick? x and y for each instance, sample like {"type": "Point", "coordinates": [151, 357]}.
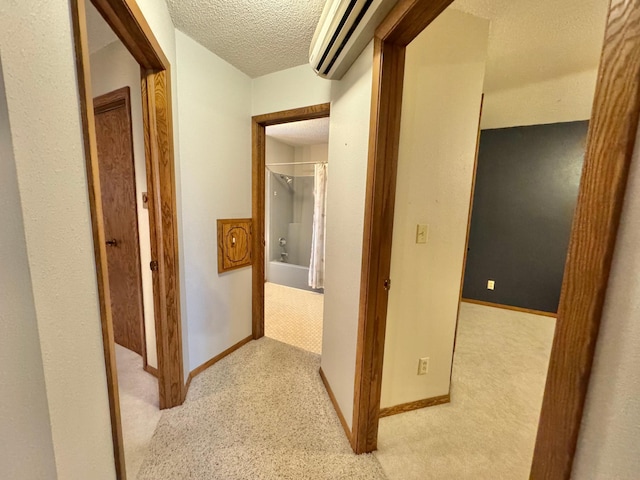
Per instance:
{"type": "Point", "coordinates": [491, 285]}
{"type": "Point", "coordinates": [423, 366]}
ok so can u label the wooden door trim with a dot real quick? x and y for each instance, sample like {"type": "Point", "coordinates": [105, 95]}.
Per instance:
{"type": "Point", "coordinates": [611, 141]}
{"type": "Point", "coordinates": [258, 163]}
{"type": "Point", "coordinates": [130, 26]}
{"type": "Point", "coordinates": [112, 100]}
{"type": "Point", "coordinates": [127, 22]}
{"type": "Point", "coordinates": [121, 98]}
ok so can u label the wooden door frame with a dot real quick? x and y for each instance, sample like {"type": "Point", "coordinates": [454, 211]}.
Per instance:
{"type": "Point", "coordinates": [258, 162]}
{"type": "Point", "coordinates": [103, 103]}
{"type": "Point", "coordinates": [611, 140]}
{"type": "Point", "coordinates": [128, 23]}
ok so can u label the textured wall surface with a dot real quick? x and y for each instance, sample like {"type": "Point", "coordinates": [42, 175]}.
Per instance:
{"type": "Point", "coordinates": [531, 42]}
{"type": "Point", "coordinates": [608, 443]}
{"type": "Point", "coordinates": [348, 149]}
{"type": "Point", "coordinates": [27, 447]}
{"type": "Point", "coordinates": [112, 68]}
{"type": "Point", "coordinates": [526, 191]}
{"type": "Point", "coordinates": [346, 187]}
{"type": "Point", "coordinates": [215, 152]}
{"type": "Point", "coordinates": [435, 171]}
{"type": "Point", "coordinates": [293, 88]}
{"type": "Point", "coordinates": [542, 59]}
{"type": "Point", "coordinates": [563, 99]}
{"type": "Point", "coordinates": [42, 99]}
{"type": "Point", "coordinates": [252, 35]}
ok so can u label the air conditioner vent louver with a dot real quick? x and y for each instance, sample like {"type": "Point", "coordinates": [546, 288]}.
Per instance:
{"type": "Point", "coordinates": [359, 18]}
{"type": "Point", "coordinates": [345, 28]}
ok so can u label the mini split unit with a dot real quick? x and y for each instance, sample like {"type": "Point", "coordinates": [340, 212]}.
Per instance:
{"type": "Point", "coordinates": [344, 30]}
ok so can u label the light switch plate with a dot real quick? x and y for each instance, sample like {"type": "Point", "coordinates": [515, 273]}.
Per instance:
{"type": "Point", "coordinates": [422, 233]}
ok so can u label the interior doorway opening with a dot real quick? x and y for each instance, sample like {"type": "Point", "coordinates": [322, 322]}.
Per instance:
{"type": "Point", "coordinates": [296, 162]}
{"type": "Point", "coordinates": [107, 131]}
{"type": "Point", "coordinates": [117, 106]}
{"type": "Point", "coordinates": [270, 253]}
{"type": "Point", "coordinates": [610, 142]}
{"type": "Point", "coordinates": [518, 163]}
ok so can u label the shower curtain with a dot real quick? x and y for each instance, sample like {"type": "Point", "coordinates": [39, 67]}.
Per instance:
{"type": "Point", "coordinates": [316, 267]}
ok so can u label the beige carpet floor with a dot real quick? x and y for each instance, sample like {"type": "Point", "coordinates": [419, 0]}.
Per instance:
{"type": "Point", "coordinates": [488, 430]}
{"type": "Point", "coordinates": [260, 413]}
{"type": "Point", "coordinates": [138, 407]}
{"type": "Point", "coordinates": [293, 316]}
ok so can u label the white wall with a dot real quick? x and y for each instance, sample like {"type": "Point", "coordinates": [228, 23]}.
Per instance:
{"type": "Point", "coordinates": [346, 188]}
{"type": "Point", "coordinates": [25, 435]}
{"type": "Point", "coordinates": [311, 153]}
{"type": "Point", "coordinates": [293, 88]}
{"type": "Point", "coordinates": [279, 152]}
{"type": "Point", "coordinates": [348, 151]}
{"type": "Point", "coordinates": [563, 99]}
{"type": "Point", "coordinates": [608, 442]}
{"type": "Point", "coordinates": [42, 99]}
{"type": "Point", "coordinates": [112, 68]}
{"type": "Point", "coordinates": [443, 84]}
{"type": "Point", "coordinates": [215, 156]}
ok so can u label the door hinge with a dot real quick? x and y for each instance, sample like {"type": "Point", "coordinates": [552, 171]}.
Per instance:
{"type": "Point", "coordinates": [153, 265]}
{"type": "Point", "coordinates": [387, 284]}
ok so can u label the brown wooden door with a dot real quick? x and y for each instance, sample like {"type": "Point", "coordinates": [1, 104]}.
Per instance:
{"type": "Point", "coordinates": [117, 182]}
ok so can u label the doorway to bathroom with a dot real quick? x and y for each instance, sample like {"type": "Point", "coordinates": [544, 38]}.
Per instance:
{"type": "Point", "coordinates": [291, 230]}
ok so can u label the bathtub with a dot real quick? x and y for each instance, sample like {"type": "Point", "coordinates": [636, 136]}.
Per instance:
{"type": "Point", "coordinates": [289, 275]}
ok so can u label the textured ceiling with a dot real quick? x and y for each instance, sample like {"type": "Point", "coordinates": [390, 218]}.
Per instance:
{"type": "Point", "coordinates": [99, 32]}
{"type": "Point", "coordinates": [530, 41]}
{"type": "Point", "coordinates": [533, 41]}
{"type": "Point", "coordinates": [256, 36]}
{"type": "Point", "coordinates": [307, 132]}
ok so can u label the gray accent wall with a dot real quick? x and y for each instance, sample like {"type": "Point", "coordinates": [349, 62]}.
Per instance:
{"type": "Point", "coordinates": [526, 191]}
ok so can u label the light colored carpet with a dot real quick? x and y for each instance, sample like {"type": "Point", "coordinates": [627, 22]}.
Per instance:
{"type": "Point", "coordinates": [293, 316]}
{"type": "Point", "coordinates": [260, 413]}
{"type": "Point", "coordinates": [488, 430]}
{"type": "Point", "coordinates": [138, 407]}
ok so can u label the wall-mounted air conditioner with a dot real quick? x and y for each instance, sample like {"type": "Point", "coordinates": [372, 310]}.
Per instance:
{"type": "Point", "coordinates": [344, 30]}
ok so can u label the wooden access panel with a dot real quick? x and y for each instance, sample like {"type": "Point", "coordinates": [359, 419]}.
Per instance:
{"type": "Point", "coordinates": [117, 178]}
{"type": "Point", "coordinates": [234, 244]}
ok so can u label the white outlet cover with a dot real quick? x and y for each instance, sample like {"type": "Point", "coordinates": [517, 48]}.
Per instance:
{"type": "Point", "coordinates": [423, 366]}
{"type": "Point", "coordinates": [491, 285]}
